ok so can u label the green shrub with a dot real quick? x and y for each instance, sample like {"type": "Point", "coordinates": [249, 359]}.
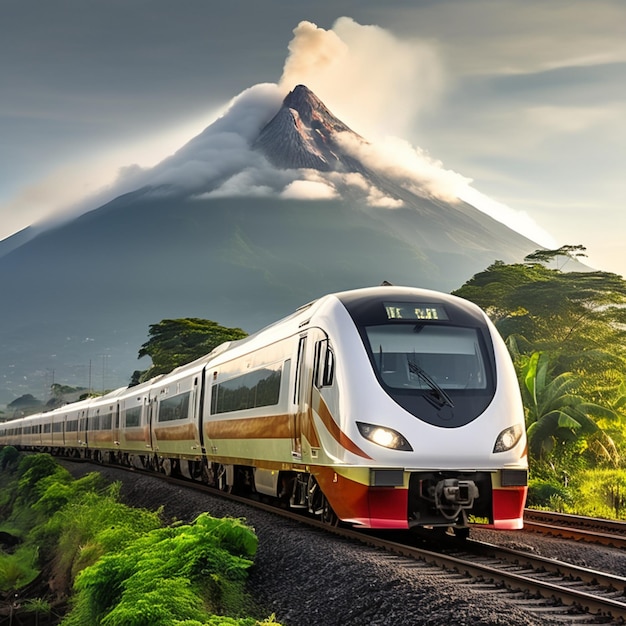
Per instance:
{"type": "Point", "coordinates": [9, 457]}
{"type": "Point", "coordinates": [543, 494]}
{"type": "Point", "coordinates": [602, 493]}
{"type": "Point", "coordinates": [127, 569]}
{"type": "Point", "coordinates": [18, 569]}
{"type": "Point", "coordinates": [168, 574]}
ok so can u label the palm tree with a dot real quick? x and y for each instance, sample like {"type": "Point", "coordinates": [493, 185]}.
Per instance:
{"type": "Point", "coordinates": [557, 416]}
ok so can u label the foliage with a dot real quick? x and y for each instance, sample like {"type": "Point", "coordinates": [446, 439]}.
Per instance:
{"type": "Point", "coordinates": [580, 316]}
{"type": "Point", "coordinates": [168, 574]}
{"type": "Point", "coordinates": [602, 493]}
{"type": "Point", "coordinates": [556, 415]}
{"type": "Point", "coordinates": [544, 494]}
{"type": "Point", "coordinates": [566, 252]}
{"type": "Point", "coordinates": [33, 469]}
{"type": "Point", "coordinates": [566, 332]}
{"type": "Point", "coordinates": [91, 524]}
{"type": "Point", "coordinates": [174, 342]}
{"type": "Point", "coordinates": [18, 569]}
{"type": "Point", "coordinates": [127, 568]}
{"type": "Point", "coordinates": [9, 457]}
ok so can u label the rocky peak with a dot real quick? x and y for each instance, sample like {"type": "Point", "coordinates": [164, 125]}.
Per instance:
{"type": "Point", "coordinates": [301, 134]}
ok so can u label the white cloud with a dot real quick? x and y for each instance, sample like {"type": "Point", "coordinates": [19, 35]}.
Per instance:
{"type": "Point", "coordinates": [574, 119]}
{"type": "Point", "coordinates": [409, 166]}
{"type": "Point", "coordinates": [309, 190]}
{"type": "Point", "coordinates": [519, 221]}
{"type": "Point", "coordinates": [375, 82]}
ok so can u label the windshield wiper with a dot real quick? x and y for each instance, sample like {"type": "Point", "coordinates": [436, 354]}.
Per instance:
{"type": "Point", "coordinates": [439, 395]}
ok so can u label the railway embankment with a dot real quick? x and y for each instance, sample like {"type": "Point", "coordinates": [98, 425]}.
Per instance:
{"type": "Point", "coordinates": [308, 577]}
{"type": "Point", "coordinates": [74, 554]}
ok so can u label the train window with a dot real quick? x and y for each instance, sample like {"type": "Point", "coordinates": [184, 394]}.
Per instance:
{"type": "Point", "coordinates": [416, 356]}
{"type": "Point", "coordinates": [299, 369]}
{"type": "Point", "coordinates": [133, 416]}
{"type": "Point", "coordinates": [324, 364]}
{"type": "Point", "coordinates": [174, 408]}
{"type": "Point", "coordinates": [249, 391]}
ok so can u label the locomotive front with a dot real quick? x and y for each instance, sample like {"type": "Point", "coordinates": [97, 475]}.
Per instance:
{"type": "Point", "coordinates": [431, 397]}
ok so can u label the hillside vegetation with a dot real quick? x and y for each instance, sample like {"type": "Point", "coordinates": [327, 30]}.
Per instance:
{"type": "Point", "coordinates": [566, 332]}
{"type": "Point", "coordinates": [74, 553]}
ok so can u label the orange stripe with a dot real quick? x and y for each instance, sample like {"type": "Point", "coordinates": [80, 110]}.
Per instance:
{"type": "Point", "coordinates": [181, 432]}
{"type": "Point", "coordinates": [270, 427]}
{"type": "Point", "coordinates": [322, 410]}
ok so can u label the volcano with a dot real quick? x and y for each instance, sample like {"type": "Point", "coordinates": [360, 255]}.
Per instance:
{"type": "Point", "coordinates": [268, 208]}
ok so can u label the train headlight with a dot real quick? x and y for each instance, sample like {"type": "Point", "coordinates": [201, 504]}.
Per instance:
{"type": "Point", "coordinates": [383, 436]}
{"type": "Point", "coordinates": [508, 438]}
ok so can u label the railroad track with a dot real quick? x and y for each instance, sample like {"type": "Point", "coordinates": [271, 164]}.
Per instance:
{"type": "Point", "coordinates": [548, 588]}
{"type": "Point", "coordinates": [588, 529]}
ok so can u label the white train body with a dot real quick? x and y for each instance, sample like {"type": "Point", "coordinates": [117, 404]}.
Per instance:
{"type": "Point", "coordinates": [385, 407]}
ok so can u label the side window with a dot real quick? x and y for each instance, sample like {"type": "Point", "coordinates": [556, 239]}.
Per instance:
{"type": "Point", "coordinates": [174, 408]}
{"type": "Point", "coordinates": [133, 416]}
{"type": "Point", "coordinates": [249, 391]}
{"type": "Point", "coordinates": [299, 370]}
{"type": "Point", "coordinates": [324, 364]}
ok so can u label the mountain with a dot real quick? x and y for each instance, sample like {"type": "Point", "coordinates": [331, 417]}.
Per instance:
{"type": "Point", "coordinates": [268, 208]}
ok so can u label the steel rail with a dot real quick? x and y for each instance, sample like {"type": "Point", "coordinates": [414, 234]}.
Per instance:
{"type": "Point", "coordinates": [590, 530]}
{"type": "Point", "coordinates": [595, 605]}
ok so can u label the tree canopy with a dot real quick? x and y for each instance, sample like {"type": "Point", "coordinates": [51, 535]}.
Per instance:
{"type": "Point", "coordinates": [174, 342]}
{"type": "Point", "coordinates": [580, 315]}
{"type": "Point", "coordinates": [566, 332]}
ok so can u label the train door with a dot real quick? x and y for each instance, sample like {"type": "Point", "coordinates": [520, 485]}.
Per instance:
{"type": "Point", "coordinates": [83, 426]}
{"type": "Point", "coordinates": [312, 364]}
{"type": "Point", "coordinates": [300, 397]}
{"type": "Point", "coordinates": [151, 418]}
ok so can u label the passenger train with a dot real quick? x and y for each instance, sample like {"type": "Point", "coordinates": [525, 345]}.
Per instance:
{"type": "Point", "coordinates": [384, 407]}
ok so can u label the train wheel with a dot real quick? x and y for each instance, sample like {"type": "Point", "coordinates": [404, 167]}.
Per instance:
{"type": "Point", "coordinates": [462, 533]}
{"type": "Point", "coordinates": [221, 481]}
{"type": "Point", "coordinates": [319, 505]}
{"type": "Point", "coordinates": [166, 466]}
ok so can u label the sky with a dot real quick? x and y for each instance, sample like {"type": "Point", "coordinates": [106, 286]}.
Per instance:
{"type": "Point", "coordinates": [518, 106]}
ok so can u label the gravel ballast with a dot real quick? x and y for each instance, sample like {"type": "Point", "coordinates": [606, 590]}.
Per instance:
{"type": "Point", "coordinates": [310, 578]}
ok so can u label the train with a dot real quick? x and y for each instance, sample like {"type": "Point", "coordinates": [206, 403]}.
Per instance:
{"type": "Point", "coordinates": [382, 407]}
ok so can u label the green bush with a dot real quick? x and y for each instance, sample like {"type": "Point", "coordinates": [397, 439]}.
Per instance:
{"type": "Point", "coordinates": [18, 569]}
{"type": "Point", "coordinates": [168, 574]}
{"type": "Point", "coordinates": [125, 567]}
{"type": "Point", "coordinates": [601, 493]}
{"type": "Point", "coordinates": [544, 494]}
{"type": "Point", "coordinates": [9, 457]}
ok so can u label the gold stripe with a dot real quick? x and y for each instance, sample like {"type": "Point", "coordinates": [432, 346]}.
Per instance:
{"type": "Point", "coordinates": [181, 432]}
{"type": "Point", "coordinates": [269, 427]}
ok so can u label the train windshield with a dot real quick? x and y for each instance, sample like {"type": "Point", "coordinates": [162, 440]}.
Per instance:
{"type": "Point", "coordinates": [432, 355]}
{"type": "Point", "coordinates": [422, 356]}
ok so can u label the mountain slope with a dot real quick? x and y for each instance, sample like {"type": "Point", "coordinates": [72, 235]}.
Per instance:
{"type": "Point", "coordinates": [78, 299]}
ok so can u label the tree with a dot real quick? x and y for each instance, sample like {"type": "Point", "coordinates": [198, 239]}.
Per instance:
{"type": "Point", "coordinates": [579, 317]}
{"type": "Point", "coordinates": [548, 256]}
{"type": "Point", "coordinates": [556, 416]}
{"type": "Point", "coordinates": [566, 332]}
{"type": "Point", "coordinates": [174, 342]}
